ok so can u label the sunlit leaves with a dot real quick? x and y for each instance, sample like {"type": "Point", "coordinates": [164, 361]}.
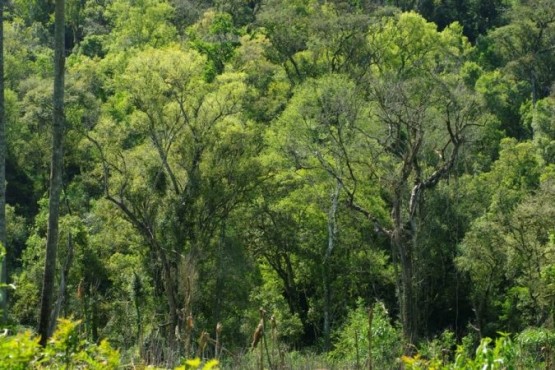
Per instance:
{"type": "Point", "coordinates": [141, 23]}
{"type": "Point", "coordinates": [216, 37]}
{"type": "Point", "coordinates": [320, 122]}
{"type": "Point", "coordinates": [406, 45]}
{"type": "Point", "coordinates": [65, 349]}
{"type": "Point", "coordinates": [507, 248]}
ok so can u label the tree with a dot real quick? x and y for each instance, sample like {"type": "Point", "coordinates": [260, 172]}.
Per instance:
{"type": "Point", "coordinates": [45, 323]}
{"type": "Point", "coordinates": [408, 111]}
{"type": "Point", "coordinates": [3, 151]}
{"type": "Point", "coordinates": [476, 16]}
{"type": "Point", "coordinates": [506, 246]}
{"type": "Point", "coordinates": [542, 120]}
{"type": "Point", "coordinates": [337, 40]}
{"type": "Point", "coordinates": [137, 24]}
{"type": "Point", "coordinates": [424, 115]}
{"type": "Point", "coordinates": [406, 137]}
{"type": "Point", "coordinates": [176, 160]}
{"type": "Point", "coordinates": [286, 26]}
{"type": "Point", "coordinates": [524, 47]}
{"type": "Point", "coordinates": [314, 133]}
{"type": "Point", "coordinates": [214, 36]}
{"type": "Point", "coordinates": [32, 11]}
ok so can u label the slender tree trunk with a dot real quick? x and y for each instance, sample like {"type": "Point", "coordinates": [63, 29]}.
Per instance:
{"type": "Point", "coordinates": [171, 291]}
{"type": "Point", "coordinates": [401, 238]}
{"type": "Point", "coordinates": [408, 306]}
{"type": "Point", "coordinates": [3, 266]}
{"type": "Point", "coordinates": [55, 175]}
{"type": "Point", "coordinates": [63, 285]}
{"type": "Point", "coordinates": [409, 309]}
{"type": "Point", "coordinates": [370, 319]}
{"type": "Point", "coordinates": [332, 231]}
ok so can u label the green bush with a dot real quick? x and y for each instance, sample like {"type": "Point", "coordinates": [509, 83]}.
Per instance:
{"type": "Point", "coordinates": [353, 337]}
{"type": "Point", "coordinates": [501, 353]}
{"type": "Point", "coordinates": [65, 350]}
{"type": "Point", "coordinates": [441, 347]}
{"type": "Point", "coordinates": [536, 347]}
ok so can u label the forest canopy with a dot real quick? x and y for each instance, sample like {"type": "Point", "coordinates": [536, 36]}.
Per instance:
{"type": "Point", "coordinates": [278, 183]}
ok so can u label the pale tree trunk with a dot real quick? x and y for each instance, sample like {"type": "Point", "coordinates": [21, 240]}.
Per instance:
{"type": "Point", "coordinates": [332, 232]}
{"type": "Point", "coordinates": [3, 266]}
{"type": "Point", "coordinates": [55, 176]}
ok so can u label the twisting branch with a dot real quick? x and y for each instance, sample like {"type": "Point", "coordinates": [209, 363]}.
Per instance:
{"type": "Point", "coordinates": [456, 140]}
{"type": "Point", "coordinates": [162, 153]}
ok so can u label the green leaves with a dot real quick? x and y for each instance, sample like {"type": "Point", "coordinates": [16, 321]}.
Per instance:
{"type": "Point", "coordinates": [351, 339]}
{"type": "Point", "coordinates": [137, 24]}
{"type": "Point", "coordinates": [216, 37]}
{"type": "Point", "coordinates": [18, 352]}
{"type": "Point", "coordinates": [64, 350]}
{"type": "Point", "coordinates": [291, 154]}
{"type": "Point", "coordinates": [406, 46]}
{"type": "Point", "coordinates": [507, 250]}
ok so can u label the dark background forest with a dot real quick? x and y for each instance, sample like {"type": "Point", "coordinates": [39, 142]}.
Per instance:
{"type": "Point", "coordinates": [291, 163]}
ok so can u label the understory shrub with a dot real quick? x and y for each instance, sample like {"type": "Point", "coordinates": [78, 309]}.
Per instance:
{"type": "Point", "coordinates": [65, 350]}
{"type": "Point", "coordinates": [351, 340]}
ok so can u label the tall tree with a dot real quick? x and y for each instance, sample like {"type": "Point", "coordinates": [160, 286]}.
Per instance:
{"type": "Point", "coordinates": [507, 250]}
{"type": "Point", "coordinates": [177, 167]}
{"type": "Point", "coordinates": [425, 115]}
{"type": "Point", "coordinates": [524, 48]}
{"type": "Point", "coordinates": [3, 272]}
{"type": "Point", "coordinates": [55, 174]}
{"type": "Point", "coordinates": [406, 136]}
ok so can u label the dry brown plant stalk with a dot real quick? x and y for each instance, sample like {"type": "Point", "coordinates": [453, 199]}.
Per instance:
{"type": "Point", "coordinates": [219, 327]}
{"type": "Point", "coordinates": [257, 334]}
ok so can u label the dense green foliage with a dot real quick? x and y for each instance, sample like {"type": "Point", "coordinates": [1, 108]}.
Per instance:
{"type": "Point", "coordinates": [65, 350]}
{"type": "Point", "coordinates": [287, 164]}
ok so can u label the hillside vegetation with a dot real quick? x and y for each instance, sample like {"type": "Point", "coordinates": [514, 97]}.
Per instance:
{"type": "Point", "coordinates": [278, 184]}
